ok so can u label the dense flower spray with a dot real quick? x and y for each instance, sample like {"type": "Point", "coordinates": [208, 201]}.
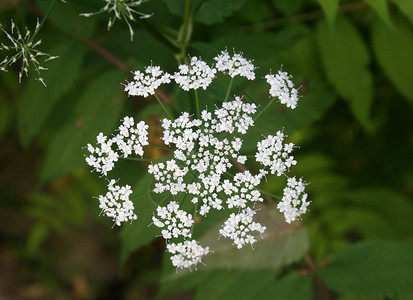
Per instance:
{"type": "Point", "coordinates": [202, 171]}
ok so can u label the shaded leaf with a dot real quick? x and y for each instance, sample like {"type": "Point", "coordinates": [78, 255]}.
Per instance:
{"type": "Point", "coordinates": [234, 285]}
{"type": "Point", "coordinates": [373, 268]}
{"type": "Point", "coordinates": [345, 59]}
{"type": "Point", "coordinates": [380, 6]}
{"type": "Point", "coordinates": [133, 236]}
{"type": "Point", "coordinates": [288, 7]}
{"type": "Point", "coordinates": [280, 245]}
{"type": "Point", "coordinates": [214, 11]}
{"type": "Point", "coordinates": [97, 111]}
{"type": "Point", "coordinates": [406, 7]}
{"type": "Point", "coordinates": [292, 286]}
{"type": "Point", "coordinates": [66, 17]}
{"type": "Point", "coordinates": [36, 102]}
{"type": "Point", "coordinates": [330, 8]}
{"type": "Point", "coordinates": [394, 51]}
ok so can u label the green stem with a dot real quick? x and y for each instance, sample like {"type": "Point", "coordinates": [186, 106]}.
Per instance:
{"type": "Point", "coordinates": [198, 112]}
{"type": "Point", "coordinates": [159, 146]}
{"type": "Point", "coordinates": [265, 108]}
{"type": "Point", "coordinates": [156, 33]}
{"type": "Point", "coordinates": [44, 19]}
{"type": "Point", "coordinates": [141, 159]}
{"type": "Point", "coordinates": [229, 89]}
{"type": "Point", "coordinates": [269, 194]}
{"type": "Point", "coordinates": [185, 32]}
{"type": "Point", "coordinates": [163, 106]}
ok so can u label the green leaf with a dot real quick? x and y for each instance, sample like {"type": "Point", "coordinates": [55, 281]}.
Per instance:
{"type": "Point", "coordinates": [375, 268]}
{"type": "Point", "coordinates": [97, 111]}
{"type": "Point", "coordinates": [280, 245]}
{"type": "Point", "coordinates": [380, 6]}
{"type": "Point", "coordinates": [234, 285]}
{"type": "Point", "coordinates": [330, 8]}
{"type": "Point", "coordinates": [394, 51]}
{"type": "Point", "coordinates": [66, 17]}
{"type": "Point", "coordinates": [288, 7]}
{"type": "Point", "coordinates": [214, 11]}
{"type": "Point", "coordinates": [406, 7]}
{"type": "Point", "coordinates": [345, 58]}
{"type": "Point", "coordinates": [37, 101]}
{"type": "Point", "coordinates": [133, 236]}
{"type": "Point", "coordinates": [292, 286]}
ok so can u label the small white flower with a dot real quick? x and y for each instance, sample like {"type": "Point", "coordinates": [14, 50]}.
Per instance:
{"type": "Point", "coordinates": [235, 65]}
{"type": "Point", "coordinates": [283, 88]}
{"type": "Point", "coordinates": [147, 82]}
{"type": "Point", "coordinates": [294, 202]}
{"type": "Point", "coordinates": [24, 48]}
{"type": "Point", "coordinates": [238, 226]}
{"type": "Point", "coordinates": [121, 9]}
{"type": "Point", "coordinates": [186, 254]}
{"type": "Point", "coordinates": [116, 204]}
{"type": "Point", "coordinates": [271, 152]}
{"type": "Point", "coordinates": [195, 75]}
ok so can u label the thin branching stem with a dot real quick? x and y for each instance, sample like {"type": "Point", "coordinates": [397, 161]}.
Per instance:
{"type": "Point", "coordinates": [163, 106]}
{"type": "Point", "coordinates": [229, 89]}
{"type": "Point", "coordinates": [265, 108]}
{"type": "Point", "coordinates": [44, 19]}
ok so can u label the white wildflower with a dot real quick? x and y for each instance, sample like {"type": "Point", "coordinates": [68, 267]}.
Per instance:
{"type": "Point", "coordinates": [186, 254]}
{"type": "Point", "coordinates": [195, 75]}
{"type": "Point", "coordinates": [238, 227]}
{"type": "Point", "coordinates": [116, 204]}
{"type": "Point", "coordinates": [235, 65]}
{"type": "Point", "coordinates": [121, 9]}
{"type": "Point", "coordinates": [271, 152]}
{"type": "Point", "coordinates": [283, 88]}
{"type": "Point", "coordinates": [174, 221]}
{"type": "Point", "coordinates": [294, 202]}
{"type": "Point", "coordinates": [24, 48]}
{"type": "Point", "coordinates": [147, 82]}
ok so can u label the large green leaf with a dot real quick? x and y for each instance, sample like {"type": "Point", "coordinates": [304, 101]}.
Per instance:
{"type": "Point", "coordinates": [36, 102]}
{"type": "Point", "coordinates": [240, 285]}
{"type": "Point", "coordinates": [133, 236]}
{"type": "Point", "coordinates": [345, 58]}
{"type": "Point", "coordinates": [330, 8]}
{"type": "Point", "coordinates": [394, 51]}
{"type": "Point", "coordinates": [66, 17]}
{"type": "Point", "coordinates": [406, 7]}
{"type": "Point", "coordinates": [292, 286]}
{"type": "Point", "coordinates": [214, 11]}
{"type": "Point", "coordinates": [380, 6]}
{"type": "Point", "coordinates": [374, 268]}
{"type": "Point", "coordinates": [97, 111]}
{"type": "Point", "coordinates": [280, 245]}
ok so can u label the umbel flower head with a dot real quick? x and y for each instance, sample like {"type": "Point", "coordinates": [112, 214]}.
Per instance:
{"type": "Point", "coordinates": [205, 170]}
{"type": "Point", "coordinates": [23, 47]}
{"type": "Point", "coordinates": [121, 9]}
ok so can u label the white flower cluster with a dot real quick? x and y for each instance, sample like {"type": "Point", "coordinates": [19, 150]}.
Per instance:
{"type": "Point", "coordinates": [24, 48]}
{"type": "Point", "coordinates": [176, 222]}
{"type": "Point", "coordinates": [186, 254]}
{"type": "Point", "coordinates": [129, 139]}
{"type": "Point", "coordinates": [238, 226]}
{"type": "Point", "coordinates": [147, 82]}
{"type": "Point", "coordinates": [116, 204]}
{"type": "Point", "coordinates": [294, 202]}
{"type": "Point", "coordinates": [205, 153]}
{"type": "Point", "coordinates": [195, 75]}
{"type": "Point", "coordinates": [236, 65]}
{"type": "Point", "coordinates": [121, 9]}
{"type": "Point", "coordinates": [271, 152]}
{"type": "Point", "coordinates": [283, 88]}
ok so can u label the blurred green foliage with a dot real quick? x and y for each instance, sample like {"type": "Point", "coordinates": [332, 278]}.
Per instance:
{"type": "Point", "coordinates": [354, 124]}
